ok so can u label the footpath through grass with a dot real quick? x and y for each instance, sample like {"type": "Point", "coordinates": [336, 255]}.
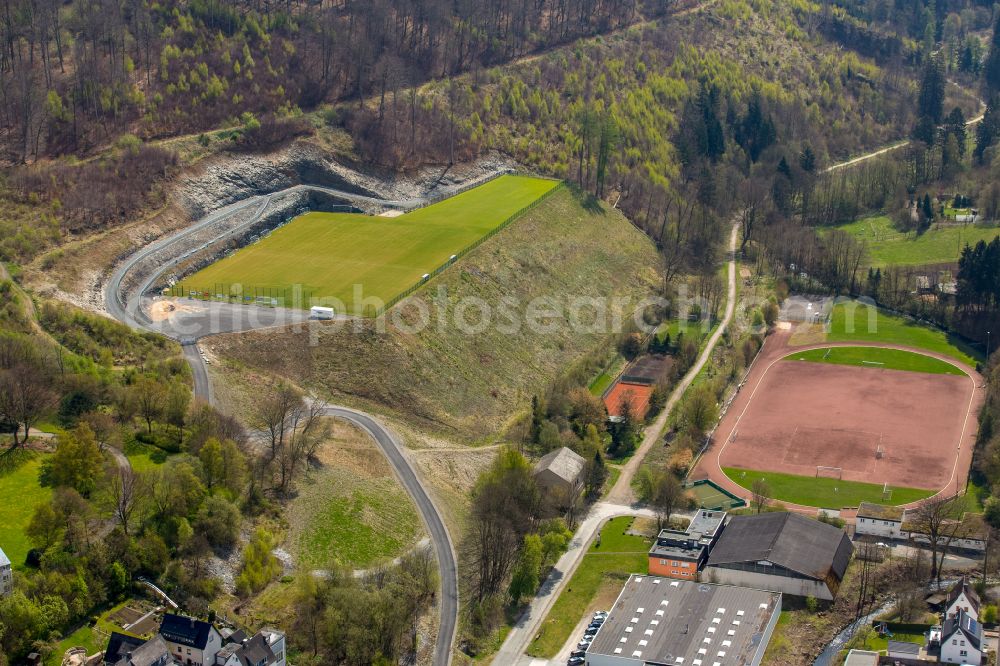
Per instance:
{"type": "Point", "coordinates": [878, 358]}
{"type": "Point", "coordinates": [604, 569]}
{"type": "Point", "coordinates": [853, 322]}
{"type": "Point", "coordinates": [823, 492]}
{"type": "Point", "coordinates": [328, 254]}
{"type": "Point", "coordinates": [20, 493]}
{"type": "Point", "coordinates": [939, 245]}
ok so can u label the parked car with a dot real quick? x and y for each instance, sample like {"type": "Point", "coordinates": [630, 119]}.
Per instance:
{"type": "Point", "coordinates": [578, 653]}
{"type": "Point", "coordinates": [583, 645]}
{"type": "Point", "coordinates": [575, 661]}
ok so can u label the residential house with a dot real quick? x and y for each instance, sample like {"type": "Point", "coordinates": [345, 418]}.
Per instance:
{"type": "Point", "coordinates": [967, 534]}
{"type": "Point", "coordinates": [961, 640]}
{"type": "Point", "coordinates": [683, 553]}
{"type": "Point", "coordinates": [191, 642]}
{"type": "Point", "coordinates": [560, 473]}
{"type": "Point", "coordinates": [672, 622]}
{"type": "Point", "coordinates": [6, 575]}
{"type": "Point", "coordinates": [120, 646]}
{"type": "Point", "coordinates": [962, 597]}
{"type": "Point", "coordinates": [879, 520]}
{"type": "Point", "coordinates": [265, 648]}
{"type": "Point", "coordinates": [178, 634]}
{"type": "Point", "coordinates": [783, 552]}
{"type": "Point", "coordinates": [153, 652]}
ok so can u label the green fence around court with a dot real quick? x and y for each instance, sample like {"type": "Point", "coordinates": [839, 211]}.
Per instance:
{"type": "Point", "coordinates": [714, 497]}
{"type": "Point", "coordinates": [245, 294]}
{"type": "Point", "coordinates": [472, 246]}
{"type": "Point", "coordinates": [300, 297]}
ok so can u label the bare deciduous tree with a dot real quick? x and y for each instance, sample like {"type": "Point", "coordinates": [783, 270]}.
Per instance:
{"type": "Point", "coordinates": [293, 428]}
{"type": "Point", "coordinates": [126, 491]}
{"type": "Point", "coordinates": [940, 522]}
{"type": "Point", "coordinates": [760, 491]}
{"type": "Point", "coordinates": [24, 399]}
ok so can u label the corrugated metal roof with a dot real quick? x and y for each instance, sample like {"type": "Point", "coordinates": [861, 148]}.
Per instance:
{"type": "Point", "coordinates": [658, 620]}
{"type": "Point", "coordinates": [4, 560]}
{"type": "Point", "coordinates": [797, 543]}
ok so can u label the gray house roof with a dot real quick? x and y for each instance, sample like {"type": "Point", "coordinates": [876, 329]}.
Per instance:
{"type": "Point", "coordinates": [4, 560]}
{"type": "Point", "coordinates": [563, 462]}
{"type": "Point", "coordinates": [970, 593]}
{"type": "Point", "coordinates": [962, 622]}
{"type": "Point", "coordinates": [807, 547]}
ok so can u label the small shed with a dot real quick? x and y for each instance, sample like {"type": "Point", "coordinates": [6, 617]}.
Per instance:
{"type": "Point", "coordinates": [902, 650]}
{"type": "Point", "coordinates": [560, 471]}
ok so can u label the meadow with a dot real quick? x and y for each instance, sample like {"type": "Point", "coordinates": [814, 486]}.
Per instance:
{"type": "Point", "coordinates": [876, 357]}
{"type": "Point", "coordinates": [891, 329]}
{"type": "Point", "coordinates": [350, 510]}
{"type": "Point", "coordinates": [823, 492]}
{"type": "Point", "coordinates": [328, 254]}
{"type": "Point", "coordinates": [20, 493]}
{"type": "Point", "coordinates": [938, 245]}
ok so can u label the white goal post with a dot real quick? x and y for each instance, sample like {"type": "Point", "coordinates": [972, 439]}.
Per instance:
{"type": "Point", "coordinates": [822, 471]}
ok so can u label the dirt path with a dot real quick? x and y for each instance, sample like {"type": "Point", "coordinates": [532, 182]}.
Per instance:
{"type": "Point", "coordinates": [899, 144]}
{"type": "Point", "coordinates": [775, 349]}
{"type": "Point", "coordinates": [622, 492]}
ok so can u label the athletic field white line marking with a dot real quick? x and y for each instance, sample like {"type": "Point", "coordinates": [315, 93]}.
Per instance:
{"type": "Point", "coordinates": [941, 357]}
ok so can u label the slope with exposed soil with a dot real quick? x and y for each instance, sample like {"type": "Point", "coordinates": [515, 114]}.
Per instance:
{"type": "Point", "coordinates": [469, 385]}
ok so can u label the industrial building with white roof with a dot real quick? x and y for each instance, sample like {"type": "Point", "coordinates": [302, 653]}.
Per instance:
{"type": "Point", "coordinates": [665, 622]}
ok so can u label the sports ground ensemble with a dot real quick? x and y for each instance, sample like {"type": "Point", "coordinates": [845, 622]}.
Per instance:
{"type": "Point", "coordinates": [840, 430]}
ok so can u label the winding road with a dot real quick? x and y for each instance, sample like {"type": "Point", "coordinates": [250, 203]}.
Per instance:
{"type": "Point", "coordinates": [127, 308]}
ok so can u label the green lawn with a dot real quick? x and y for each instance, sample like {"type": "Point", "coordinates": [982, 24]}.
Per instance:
{"type": "Point", "coordinates": [886, 245]}
{"type": "Point", "coordinates": [19, 495]}
{"type": "Point", "coordinates": [601, 382]}
{"type": "Point", "coordinates": [329, 253]}
{"type": "Point", "coordinates": [875, 357]}
{"type": "Point", "coordinates": [823, 492]}
{"type": "Point", "coordinates": [93, 638]}
{"type": "Point", "coordinates": [891, 329]}
{"type": "Point", "coordinates": [350, 510]}
{"type": "Point", "coordinates": [608, 566]}
{"type": "Point", "coordinates": [144, 457]}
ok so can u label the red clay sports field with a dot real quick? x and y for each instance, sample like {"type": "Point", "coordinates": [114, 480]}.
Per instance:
{"type": "Point", "coordinates": [895, 427]}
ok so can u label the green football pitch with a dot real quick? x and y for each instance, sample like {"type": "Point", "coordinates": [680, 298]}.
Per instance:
{"type": "Point", "coordinates": [333, 255]}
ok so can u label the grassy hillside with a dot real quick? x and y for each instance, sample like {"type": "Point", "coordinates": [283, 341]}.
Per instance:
{"type": "Point", "coordinates": [470, 384]}
{"type": "Point", "coordinates": [330, 254]}
{"type": "Point", "coordinates": [939, 245]}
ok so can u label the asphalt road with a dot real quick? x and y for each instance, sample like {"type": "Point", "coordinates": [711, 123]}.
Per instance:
{"type": "Point", "coordinates": [218, 318]}
{"type": "Point", "coordinates": [448, 570]}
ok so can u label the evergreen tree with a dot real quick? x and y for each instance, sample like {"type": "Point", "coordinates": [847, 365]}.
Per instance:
{"type": "Point", "coordinates": [988, 128]}
{"type": "Point", "coordinates": [807, 159]}
{"type": "Point", "coordinates": [954, 125]}
{"type": "Point", "coordinates": [991, 68]}
{"type": "Point", "coordinates": [928, 210]}
{"type": "Point", "coordinates": [930, 102]}
{"type": "Point", "coordinates": [537, 416]}
{"type": "Point", "coordinates": [755, 131]}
